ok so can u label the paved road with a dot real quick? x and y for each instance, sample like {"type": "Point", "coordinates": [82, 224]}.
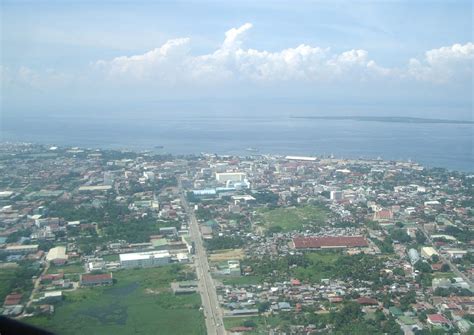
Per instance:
{"type": "Point", "coordinates": [212, 310]}
{"type": "Point", "coordinates": [453, 267]}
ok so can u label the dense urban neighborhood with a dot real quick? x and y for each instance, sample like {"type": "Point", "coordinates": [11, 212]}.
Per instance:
{"type": "Point", "coordinates": [113, 241]}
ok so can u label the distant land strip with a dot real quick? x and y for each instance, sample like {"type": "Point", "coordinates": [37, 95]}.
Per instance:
{"type": "Point", "coordinates": [395, 119]}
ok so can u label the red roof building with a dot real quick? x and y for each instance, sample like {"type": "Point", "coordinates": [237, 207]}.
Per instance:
{"type": "Point", "coordinates": [12, 299]}
{"type": "Point", "coordinates": [383, 215]}
{"type": "Point", "coordinates": [330, 242]}
{"type": "Point", "coordinates": [100, 279]}
{"type": "Point", "coordinates": [436, 266]}
{"type": "Point", "coordinates": [295, 282]}
{"type": "Point", "coordinates": [52, 277]}
{"type": "Point", "coordinates": [335, 299]}
{"type": "Point", "coordinates": [437, 319]}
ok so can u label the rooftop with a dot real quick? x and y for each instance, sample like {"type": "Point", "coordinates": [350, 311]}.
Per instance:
{"type": "Point", "coordinates": [94, 278]}
{"type": "Point", "coordinates": [144, 255]}
{"type": "Point", "coordinates": [56, 253]}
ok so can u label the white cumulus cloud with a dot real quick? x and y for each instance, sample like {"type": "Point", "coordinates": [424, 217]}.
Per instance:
{"type": "Point", "coordinates": [444, 64]}
{"type": "Point", "coordinates": [174, 62]}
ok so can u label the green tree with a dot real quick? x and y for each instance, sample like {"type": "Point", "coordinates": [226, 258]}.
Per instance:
{"type": "Point", "coordinates": [420, 237]}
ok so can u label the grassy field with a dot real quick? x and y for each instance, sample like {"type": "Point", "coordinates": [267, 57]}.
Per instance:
{"type": "Point", "coordinates": [243, 280]}
{"type": "Point", "coordinates": [293, 218]}
{"type": "Point", "coordinates": [7, 275]}
{"type": "Point", "coordinates": [320, 267]}
{"type": "Point", "coordinates": [444, 275]}
{"type": "Point", "coordinates": [140, 302]}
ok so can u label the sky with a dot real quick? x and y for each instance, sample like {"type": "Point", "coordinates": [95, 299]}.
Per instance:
{"type": "Point", "coordinates": [114, 58]}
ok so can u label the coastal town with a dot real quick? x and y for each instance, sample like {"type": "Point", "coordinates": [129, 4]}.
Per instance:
{"type": "Point", "coordinates": [256, 244]}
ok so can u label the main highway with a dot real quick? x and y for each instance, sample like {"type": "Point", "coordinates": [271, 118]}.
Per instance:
{"type": "Point", "coordinates": [453, 267]}
{"type": "Point", "coordinates": [207, 289]}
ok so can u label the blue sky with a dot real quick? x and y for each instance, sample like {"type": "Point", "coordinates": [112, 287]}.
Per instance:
{"type": "Point", "coordinates": [59, 55]}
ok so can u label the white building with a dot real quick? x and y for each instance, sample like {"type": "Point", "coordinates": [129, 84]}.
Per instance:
{"type": "Point", "coordinates": [300, 158]}
{"type": "Point", "coordinates": [95, 266]}
{"type": "Point", "coordinates": [57, 255]}
{"type": "Point", "coordinates": [145, 259]}
{"type": "Point", "coordinates": [230, 176]}
{"type": "Point", "coordinates": [182, 257]}
{"type": "Point", "coordinates": [414, 256]}
{"type": "Point", "coordinates": [21, 249]}
{"type": "Point", "coordinates": [456, 253]}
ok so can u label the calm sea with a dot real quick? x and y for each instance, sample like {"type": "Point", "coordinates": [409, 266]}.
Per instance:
{"type": "Point", "coordinates": [435, 145]}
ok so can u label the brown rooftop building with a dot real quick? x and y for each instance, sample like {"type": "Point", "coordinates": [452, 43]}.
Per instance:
{"type": "Point", "coordinates": [12, 299]}
{"type": "Point", "coordinates": [99, 279]}
{"type": "Point", "coordinates": [329, 242]}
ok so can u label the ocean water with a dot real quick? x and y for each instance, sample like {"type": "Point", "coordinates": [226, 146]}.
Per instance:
{"type": "Point", "coordinates": [435, 145]}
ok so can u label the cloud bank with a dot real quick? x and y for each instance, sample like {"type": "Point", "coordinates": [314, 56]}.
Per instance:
{"type": "Point", "coordinates": [173, 62]}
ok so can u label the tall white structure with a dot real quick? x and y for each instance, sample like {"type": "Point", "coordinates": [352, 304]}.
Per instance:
{"type": "Point", "coordinates": [414, 256]}
{"type": "Point", "coordinates": [230, 176]}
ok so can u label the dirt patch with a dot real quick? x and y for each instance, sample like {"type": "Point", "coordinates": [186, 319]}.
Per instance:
{"type": "Point", "coordinates": [226, 255]}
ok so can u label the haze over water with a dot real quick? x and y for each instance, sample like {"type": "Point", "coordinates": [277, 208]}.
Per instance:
{"type": "Point", "coordinates": [435, 145]}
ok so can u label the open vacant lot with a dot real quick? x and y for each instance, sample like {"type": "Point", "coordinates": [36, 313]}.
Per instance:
{"type": "Point", "coordinates": [225, 255]}
{"type": "Point", "coordinates": [139, 303]}
{"type": "Point", "coordinates": [259, 324]}
{"type": "Point", "coordinates": [319, 265]}
{"type": "Point", "coordinates": [293, 218]}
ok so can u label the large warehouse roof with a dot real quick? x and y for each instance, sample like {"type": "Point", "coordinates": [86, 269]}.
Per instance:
{"type": "Point", "coordinates": [56, 253]}
{"type": "Point", "coordinates": [144, 255]}
{"type": "Point", "coordinates": [329, 241]}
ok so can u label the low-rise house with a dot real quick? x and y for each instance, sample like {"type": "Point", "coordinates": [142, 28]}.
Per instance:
{"type": "Point", "coordinates": [437, 320]}
{"type": "Point", "coordinates": [53, 296]}
{"type": "Point", "coordinates": [12, 299]}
